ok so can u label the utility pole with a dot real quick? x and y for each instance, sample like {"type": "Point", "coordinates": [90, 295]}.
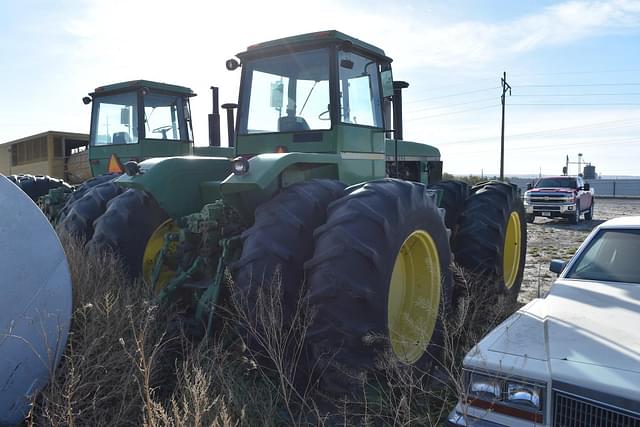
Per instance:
{"type": "Point", "coordinates": [505, 87]}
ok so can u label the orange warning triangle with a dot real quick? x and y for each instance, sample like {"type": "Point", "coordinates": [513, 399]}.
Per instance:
{"type": "Point", "coordinates": [114, 165]}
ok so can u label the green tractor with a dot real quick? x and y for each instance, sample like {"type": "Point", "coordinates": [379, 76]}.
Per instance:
{"type": "Point", "coordinates": [323, 202]}
{"type": "Point", "coordinates": [130, 122]}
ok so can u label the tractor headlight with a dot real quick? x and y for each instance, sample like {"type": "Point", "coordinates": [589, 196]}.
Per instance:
{"type": "Point", "coordinates": [517, 398]}
{"type": "Point", "coordinates": [240, 166]}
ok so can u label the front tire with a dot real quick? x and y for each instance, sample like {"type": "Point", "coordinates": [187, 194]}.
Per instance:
{"type": "Point", "coordinates": [381, 269]}
{"type": "Point", "coordinates": [273, 254]}
{"type": "Point", "coordinates": [575, 219]}
{"type": "Point", "coordinates": [589, 214]}
{"type": "Point", "coordinates": [125, 227]}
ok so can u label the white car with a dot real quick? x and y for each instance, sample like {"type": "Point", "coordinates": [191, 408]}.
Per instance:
{"type": "Point", "coordinates": [571, 358]}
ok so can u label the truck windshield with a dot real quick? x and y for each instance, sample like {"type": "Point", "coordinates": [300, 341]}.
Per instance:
{"type": "Point", "coordinates": [286, 93]}
{"type": "Point", "coordinates": [115, 119]}
{"type": "Point", "coordinates": [611, 256]}
{"type": "Point", "coordinates": [557, 183]}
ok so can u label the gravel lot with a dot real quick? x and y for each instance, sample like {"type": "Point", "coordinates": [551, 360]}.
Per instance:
{"type": "Point", "coordinates": [557, 239]}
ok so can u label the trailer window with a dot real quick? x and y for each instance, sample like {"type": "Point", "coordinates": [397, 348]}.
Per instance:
{"type": "Point", "coordinates": [115, 119]}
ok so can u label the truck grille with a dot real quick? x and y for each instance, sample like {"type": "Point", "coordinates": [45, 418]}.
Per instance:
{"type": "Point", "coordinates": [570, 411]}
{"type": "Point", "coordinates": [548, 199]}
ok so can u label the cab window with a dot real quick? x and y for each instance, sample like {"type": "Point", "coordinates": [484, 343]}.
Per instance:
{"type": "Point", "coordinates": [360, 100]}
{"type": "Point", "coordinates": [115, 119]}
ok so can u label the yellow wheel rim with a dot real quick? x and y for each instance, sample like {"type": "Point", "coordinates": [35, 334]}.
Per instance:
{"type": "Point", "coordinates": [512, 250]}
{"type": "Point", "coordinates": [151, 252]}
{"type": "Point", "coordinates": [414, 297]}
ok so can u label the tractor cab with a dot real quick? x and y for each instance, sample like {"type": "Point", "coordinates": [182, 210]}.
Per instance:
{"type": "Point", "coordinates": [328, 93]}
{"type": "Point", "coordinates": [137, 120]}
{"type": "Point", "coordinates": [320, 92]}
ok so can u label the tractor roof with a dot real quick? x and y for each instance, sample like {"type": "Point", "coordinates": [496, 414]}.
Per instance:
{"type": "Point", "coordinates": [321, 37]}
{"type": "Point", "coordinates": [139, 84]}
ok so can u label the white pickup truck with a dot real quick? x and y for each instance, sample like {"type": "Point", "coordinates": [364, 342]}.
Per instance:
{"type": "Point", "coordinates": [571, 358]}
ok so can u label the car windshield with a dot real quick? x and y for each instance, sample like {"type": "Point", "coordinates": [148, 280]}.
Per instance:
{"type": "Point", "coordinates": [557, 183]}
{"type": "Point", "coordinates": [287, 93]}
{"type": "Point", "coordinates": [612, 255]}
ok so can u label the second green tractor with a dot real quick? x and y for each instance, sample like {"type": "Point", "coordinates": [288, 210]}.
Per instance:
{"type": "Point", "coordinates": [324, 203]}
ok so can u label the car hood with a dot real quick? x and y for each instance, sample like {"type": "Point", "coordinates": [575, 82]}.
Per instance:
{"type": "Point", "coordinates": [551, 190]}
{"type": "Point", "coordinates": [585, 332]}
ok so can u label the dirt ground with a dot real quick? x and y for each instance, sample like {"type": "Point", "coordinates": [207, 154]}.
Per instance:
{"type": "Point", "coordinates": [557, 239]}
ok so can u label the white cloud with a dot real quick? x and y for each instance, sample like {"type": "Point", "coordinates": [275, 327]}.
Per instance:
{"type": "Point", "coordinates": [474, 43]}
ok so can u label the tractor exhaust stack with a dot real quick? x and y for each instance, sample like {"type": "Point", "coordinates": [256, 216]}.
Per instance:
{"type": "Point", "coordinates": [214, 120]}
{"type": "Point", "coordinates": [230, 123]}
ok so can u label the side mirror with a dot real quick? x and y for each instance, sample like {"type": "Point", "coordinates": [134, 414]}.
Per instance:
{"type": "Point", "coordinates": [277, 95]}
{"type": "Point", "coordinates": [586, 187]}
{"type": "Point", "coordinates": [529, 186]}
{"type": "Point", "coordinates": [124, 116]}
{"type": "Point", "coordinates": [557, 265]}
{"type": "Point", "coordinates": [387, 83]}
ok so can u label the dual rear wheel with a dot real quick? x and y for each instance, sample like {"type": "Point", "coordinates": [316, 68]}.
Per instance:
{"type": "Point", "coordinates": [376, 268]}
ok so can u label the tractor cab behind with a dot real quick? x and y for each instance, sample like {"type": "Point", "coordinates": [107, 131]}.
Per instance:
{"type": "Point", "coordinates": [137, 120]}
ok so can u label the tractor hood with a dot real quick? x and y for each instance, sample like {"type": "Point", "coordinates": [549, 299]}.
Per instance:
{"type": "Point", "coordinates": [583, 332]}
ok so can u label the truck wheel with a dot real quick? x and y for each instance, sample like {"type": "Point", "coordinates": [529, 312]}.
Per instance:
{"type": "Point", "coordinates": [530, 218]}
{"type": "Point", "coordinates": [454, 194]}
{"type": "Point", "coordinates": [575, 219]}
{"type": "Point", "coordinates": [78, 221]}
{"type": "Point", "coordinates": [379, 284]}
{"type": "Point", "coordinates": [589, 214]}
{"type": "Point", "coordinates": [492, 241]}
{"type": "Point", "coordinates": [81, 190]}
{"type": "Point", "coordinates": [125, 227]}
{"type": "Point", "coordinates": [274, 251]}
{"type": "Point", "coordinates": [39, 185]}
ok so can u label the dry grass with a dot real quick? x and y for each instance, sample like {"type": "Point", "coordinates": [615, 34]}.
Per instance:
{"type": "Point", "coordinates": [125, 366]}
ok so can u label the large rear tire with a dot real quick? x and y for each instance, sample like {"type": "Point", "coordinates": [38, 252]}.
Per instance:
{"type": "Point", "coordinates": [80, 216]}
{"type": "Point", "coordinates": [379, 284]}
{"type": "Point", "coordinates": [125, 227]}
{"type": "Point", "coordinates": [492, 241]}
{"type": "Point", "coordinates": [81, 190]}
{"type": "Point", "coordinates": [273, 254]}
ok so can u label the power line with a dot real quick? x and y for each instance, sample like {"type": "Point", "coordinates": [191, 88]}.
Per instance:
{"type": "Point", "coordinates": [580, 94]}
{"type": "Point", "coordinates": [578, 104]}
{"type": "Point", "coordinates": [451, 113]}
{"type": "Point", "coordinates": [583, 85]}
{"type": "Point", "coordinates": [452, 95]}
{"type": "Point", "coordinates": [631, 122]}
{"type": "Point", "coordinates": [452, 105]}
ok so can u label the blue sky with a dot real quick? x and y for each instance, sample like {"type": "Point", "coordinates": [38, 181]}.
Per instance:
{"type": "Point", "coordinates": [574, 67]}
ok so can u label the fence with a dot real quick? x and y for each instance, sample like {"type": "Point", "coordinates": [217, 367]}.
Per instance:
{"type": "Point", "coordinates": [601, 187]}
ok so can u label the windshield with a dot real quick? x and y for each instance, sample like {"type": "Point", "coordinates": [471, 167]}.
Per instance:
{"type": "Point", "coordinates": [557, 183]}
{"type": "Point", "coordinates": [286, 93]}
{"type": "Point", "coordinates": [611, 256]}
{"type": "Point", "coordinates": [115, 119]}
{"type": "Point", "coordinates": [164, 117]}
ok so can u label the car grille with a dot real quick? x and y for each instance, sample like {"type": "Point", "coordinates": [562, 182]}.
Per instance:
{"type": "Point", "coordinates": [547, 208]}
{"type": "Point", "coordinates": [570, 411]}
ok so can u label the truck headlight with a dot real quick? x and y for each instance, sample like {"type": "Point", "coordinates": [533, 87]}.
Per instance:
{"type": "Point", "coordinates": [517, 398]}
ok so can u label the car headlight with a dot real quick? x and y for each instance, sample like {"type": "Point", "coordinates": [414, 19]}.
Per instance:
{"type": "Point", "coordinates": [517, 398]}
{"type": "Point", "coordinates": [524, 394]}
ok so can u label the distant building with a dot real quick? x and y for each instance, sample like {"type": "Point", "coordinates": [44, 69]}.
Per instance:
{"type": "Point", "coordinates": [49, 153]}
